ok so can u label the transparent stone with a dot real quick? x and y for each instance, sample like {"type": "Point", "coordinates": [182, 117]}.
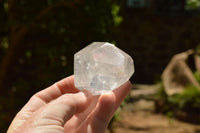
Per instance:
{"type": "Point", "coordinates": [101, 67]}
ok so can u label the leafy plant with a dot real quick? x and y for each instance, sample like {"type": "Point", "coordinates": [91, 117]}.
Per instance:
{"type": "Point", "coordinates": [170, 116]}
{"type": "Point", "coordinates": [192, 4]}
{"type": "Point", "coordinates": [188, 101]}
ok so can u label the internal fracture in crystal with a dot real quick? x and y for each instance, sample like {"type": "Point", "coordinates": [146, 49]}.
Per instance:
{"type": "Point", "coordinates": [101, 67]}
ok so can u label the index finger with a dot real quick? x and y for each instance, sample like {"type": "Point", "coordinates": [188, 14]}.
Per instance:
{"type": "Point", "coordinates": [59, 88]}
{"type": "Point", "coordinates": [56, 90]}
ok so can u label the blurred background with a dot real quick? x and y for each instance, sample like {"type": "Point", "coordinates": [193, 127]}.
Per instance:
{"type": "Point", "coordinates": [39, 38]}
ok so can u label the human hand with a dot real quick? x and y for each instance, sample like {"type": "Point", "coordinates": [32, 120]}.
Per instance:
{"type": "Point", "coordinates": [61, 108]}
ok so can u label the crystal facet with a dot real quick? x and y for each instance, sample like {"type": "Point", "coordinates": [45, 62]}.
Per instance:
{"type": "Point", "coordinates": [101, 67]}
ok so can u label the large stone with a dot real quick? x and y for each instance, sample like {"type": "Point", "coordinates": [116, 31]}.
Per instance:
{"type": "Point", "coordinates": [101, 67]}
{"type": "Point", "coordinates": [197, 62]}
{"type": "Point", "coordinates": [178, 75]}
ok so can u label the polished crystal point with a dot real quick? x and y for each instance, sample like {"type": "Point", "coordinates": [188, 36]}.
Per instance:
{"type": "Point", "coordinates": [101, 67]}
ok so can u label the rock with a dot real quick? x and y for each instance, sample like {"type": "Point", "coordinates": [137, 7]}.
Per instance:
{"type": "Point", "coordinates": [101, 67]}
{"type": "Point", "coordinates": [197, 62]}
{"type": "Point", "coordinates": [178, 75]}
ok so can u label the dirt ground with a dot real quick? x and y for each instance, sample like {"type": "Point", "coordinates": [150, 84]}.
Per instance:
{"type": "Point", "coordinates": [139, 117]}
{"type": "Point", "coordinates": [145, 122]}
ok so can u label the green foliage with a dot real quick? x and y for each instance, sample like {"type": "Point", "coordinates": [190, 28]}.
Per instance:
{"type": "Point", "coordinates": [115, 12]}
{"type": "Point", "coordinates": [197, 76]}
{"type": "Point", "coordinates": [192, 4]}
{"type": "Point", "coordinates": [188, 100]}
{"type": "Point", "coordinates": [170, 116]}
{"type": "Point", "coordinates": [4, 43]}
{"type": "Point", "coordinates": [184, 106]}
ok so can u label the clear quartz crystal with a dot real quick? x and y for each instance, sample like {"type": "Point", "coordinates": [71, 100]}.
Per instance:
{"type": "Point", "coordinates": [101, 67]}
